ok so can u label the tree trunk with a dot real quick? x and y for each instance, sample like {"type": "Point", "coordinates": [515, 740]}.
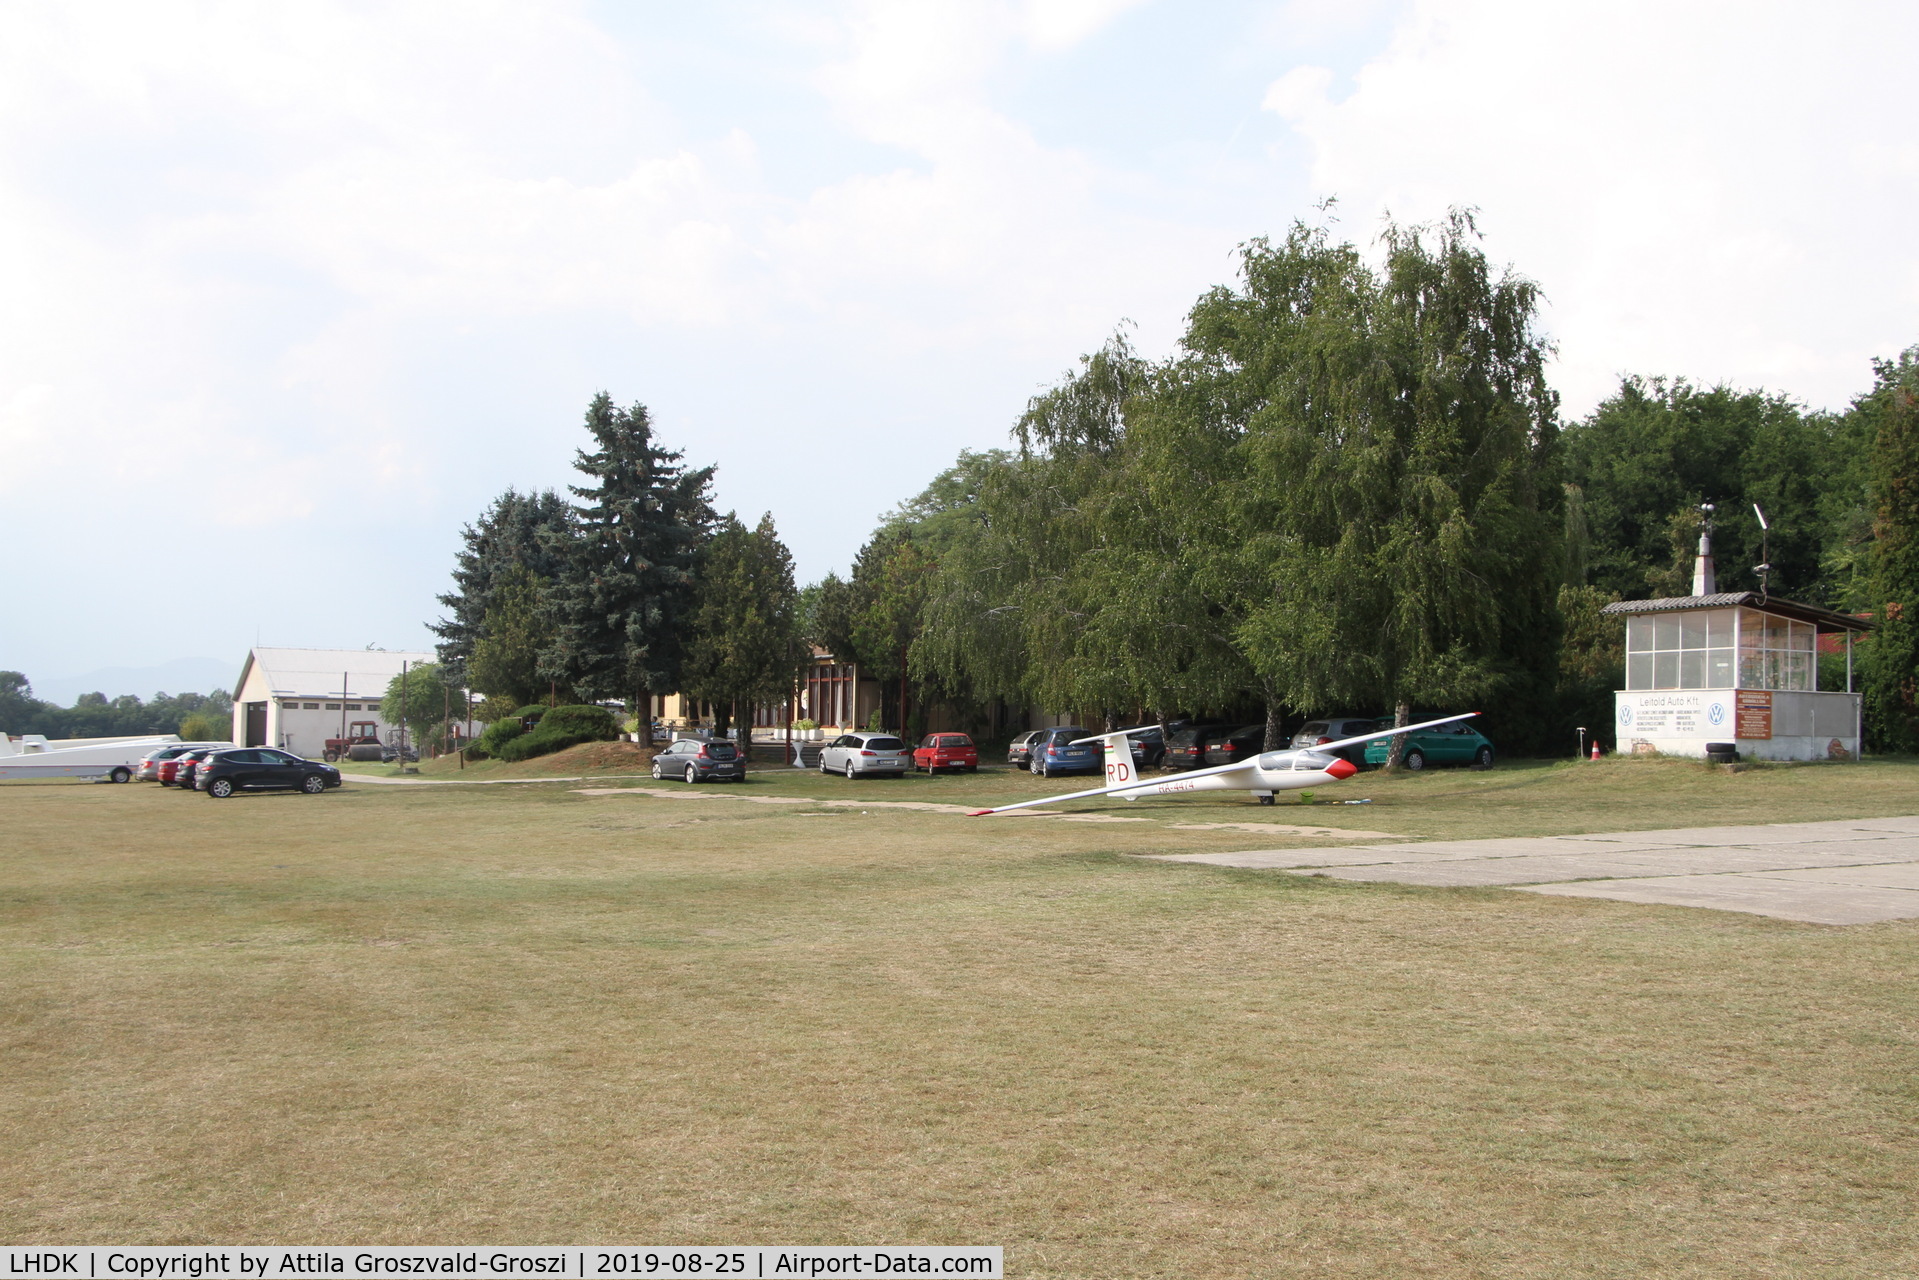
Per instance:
{"type": "Point", "coordinates": [903, 731]}
{"type": "Point", "coordinates": [1275, 725]}
{"type": "Point", "coordinates": [1402, 716]}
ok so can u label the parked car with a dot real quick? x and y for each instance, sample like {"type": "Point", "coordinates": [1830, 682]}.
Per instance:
{"type": "Point", "coordinates": [854, 754]}
{"type": "Point", "coordinates": [1054, 752]}
{"type": "Point", "coordinates": [946, 751]}
{"type": "Point", "coordinates": [184, 766]}
{"type": "Point", "coordinates": [1186, 747]}
{"type": "Point", "coordinates": [148, 770]}
{"type": "Point", "coordinates": [1019, 752]}
{"type": "Point", "coordinates": [1334, 728]}
{"type": "Point", "coordinates": [1239, 743]}
{"type": "Point", "coordinates": [221, 773]}
{"type": "Point", "coordinates": [1149, 745]}
{"type": "Point", "coordinates": [698, 761]}
{"type": "Point", "coordinates": [1455, 743]}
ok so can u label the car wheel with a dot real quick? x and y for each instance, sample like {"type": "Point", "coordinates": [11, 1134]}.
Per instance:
{"type": "Point", "coordinates": [1415, 760]}
{"type": "Point", "coordinates": [972, 768]}
{"type": "Point", "coordinates": [823, 768]}
{"type": "Point", "coordinates": [220, 788]}
{"type": "Point", "coordinates": [1045, 770]}
{"type": "Point", "coordinates": [121, 775]}
{"type": "Point", "coordinates": [849, 770]}
{"type": "Point", "coordinates": [692, 774]}
{"type": "Point", "coordinates": [313, 785]}
{"type": "Point", "coordinates": [656, 771]}
{"type": "Point", "coordinates": [1483, 758]}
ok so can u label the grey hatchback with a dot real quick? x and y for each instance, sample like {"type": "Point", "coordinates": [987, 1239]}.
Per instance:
{"type": "Point", "coordinates": [699, 761]}
{"type": "Point", "coordinates": [1335, 729]}
{"type": "Point", "coordinates": [856, 753]}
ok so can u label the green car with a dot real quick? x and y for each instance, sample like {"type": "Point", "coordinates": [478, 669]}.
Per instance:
{"type": "Point", "coordinates": [1455, 743]}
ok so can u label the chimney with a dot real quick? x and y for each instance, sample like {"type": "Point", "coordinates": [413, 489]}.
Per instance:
{"type": "Point", "coordinates": [1702, 575]}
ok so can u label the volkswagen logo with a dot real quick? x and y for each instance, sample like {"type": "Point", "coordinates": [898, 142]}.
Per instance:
{"type": "Point", "coordinates": [1716, 713]}
{"type": "Point", "coordinates": [1625, 713]}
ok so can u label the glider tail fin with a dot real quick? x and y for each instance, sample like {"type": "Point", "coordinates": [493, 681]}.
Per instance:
{"type": "Point", "coordinates": [1120, 769]}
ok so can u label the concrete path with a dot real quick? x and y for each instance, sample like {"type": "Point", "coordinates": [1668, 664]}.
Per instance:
{"type": "Point", "coordinates": [1855, 871]}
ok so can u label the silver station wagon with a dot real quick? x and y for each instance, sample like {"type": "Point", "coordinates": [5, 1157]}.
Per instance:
{"type": "Point", "coordinates": [854, 754]}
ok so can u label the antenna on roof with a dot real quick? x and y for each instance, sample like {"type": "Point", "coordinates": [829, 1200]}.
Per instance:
{"type": "Point", "coordinates": [1764, 567]}
{"type": "Point", "coordinates": [1703, 582]}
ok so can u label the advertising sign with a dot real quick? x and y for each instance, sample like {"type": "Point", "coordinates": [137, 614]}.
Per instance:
{"type": "Point", "coordinates": [1755, 714]}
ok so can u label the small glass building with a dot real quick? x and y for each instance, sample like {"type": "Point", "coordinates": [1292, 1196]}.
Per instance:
{"type": "Point", "coordinates": [1734, 667]}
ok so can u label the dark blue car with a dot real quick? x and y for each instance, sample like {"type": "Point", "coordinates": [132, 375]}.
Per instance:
{"type": "Point", "coordinates": [1052, 755]}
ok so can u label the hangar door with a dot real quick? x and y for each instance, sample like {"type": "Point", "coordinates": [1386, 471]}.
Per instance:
{"type": "Point", "coordinates": [256, 725]}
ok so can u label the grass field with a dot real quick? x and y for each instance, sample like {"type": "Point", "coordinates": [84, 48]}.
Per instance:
{"type": "Point", "coordinates": [520, 1014]}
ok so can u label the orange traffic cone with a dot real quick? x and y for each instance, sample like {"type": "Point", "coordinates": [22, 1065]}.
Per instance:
{"type": "Point", "coordinates": [1595, 754]}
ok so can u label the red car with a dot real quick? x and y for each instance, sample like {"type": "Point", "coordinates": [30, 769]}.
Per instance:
{"type": "Point", "coordinates": [946, 751]}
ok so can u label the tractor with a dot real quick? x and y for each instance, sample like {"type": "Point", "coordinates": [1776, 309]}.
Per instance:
{"type": "Point", "coordinates": [362, 742]}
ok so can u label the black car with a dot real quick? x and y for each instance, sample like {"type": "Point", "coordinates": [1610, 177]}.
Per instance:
{"type": "Point", "coordinates": [1315, 733]}
{"type": "Point", "coordinates": [186, 766]}
{"type": "Point", "coordinates": [222, 773]}
{"type": "Point", "coordinates": [1149, 745]}
{"type": "Point", "coordinates": [1236, 744]}
{"type": "Point", "coordinates": [1186, 746]}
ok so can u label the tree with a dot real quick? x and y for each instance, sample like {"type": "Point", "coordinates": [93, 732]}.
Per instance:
{"type": "Point", "coordinates": [746, 645]}
{"type": "Point", "coordinates": [419, 698]}
{"type": "Point", "coordinates": [1644, 460]}
{"type": "Point", "coordinates": [626, 589]}
{"type": "Point", "coordinates": [520, 536]}
{"type": "Point", "coordinates": [1398, 434]}
{"type": "Point", "coordinates": [890, 579]}
{"type": "Point", "coordinates": [1892, 657]}
{"type": "Point", "coordinates": [505, 659]}
{"type": "Point", "coordinates": [20, 711]}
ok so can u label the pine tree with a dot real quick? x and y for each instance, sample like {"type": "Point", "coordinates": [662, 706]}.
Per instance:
{"type": "Point", "coordinates": [506, 658]}
{"type": "Point", "coordinates": [745, 648]}
{"type": "Point", "coordinates": [519, 533]}
{"type": "Point", "coordinates": [623, 597]}
{"type": "Point", "coordinates": [1892, 655]}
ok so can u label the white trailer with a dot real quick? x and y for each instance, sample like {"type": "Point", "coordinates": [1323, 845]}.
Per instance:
{"type": "Point", "coordinates": [33, 756]}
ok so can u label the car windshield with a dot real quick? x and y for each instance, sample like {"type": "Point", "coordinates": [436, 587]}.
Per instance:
{"type": "Point", "coordinates": [1317, 729]}
{"type": "Point", "coordinates": [884, 744]}
{"type": "Point", "coordinates": [720, 750]}
{"type": "Point", "coordinates": [954, 740]}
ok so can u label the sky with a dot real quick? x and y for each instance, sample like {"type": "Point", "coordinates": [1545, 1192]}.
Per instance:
{"type": "Point", "coordinates": [289, 292]}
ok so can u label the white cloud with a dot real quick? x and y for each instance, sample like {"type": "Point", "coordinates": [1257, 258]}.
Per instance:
{"type": "Point", "coordinates": [1704, 189]}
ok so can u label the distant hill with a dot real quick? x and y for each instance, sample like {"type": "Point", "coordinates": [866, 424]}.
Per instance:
{"type": "Point", "coordinates": [182, 675]}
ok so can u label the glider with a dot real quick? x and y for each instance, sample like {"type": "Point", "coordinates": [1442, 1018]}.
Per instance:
{"type": "Point", "coordinates": [1292, 770]}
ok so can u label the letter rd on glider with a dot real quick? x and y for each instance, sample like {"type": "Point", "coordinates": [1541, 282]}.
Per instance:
{"type": "Point", "coordinates": [1263, 775]}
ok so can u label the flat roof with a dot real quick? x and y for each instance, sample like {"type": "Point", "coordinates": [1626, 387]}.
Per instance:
{"type": "Point", "coordinates": [1822, 619]}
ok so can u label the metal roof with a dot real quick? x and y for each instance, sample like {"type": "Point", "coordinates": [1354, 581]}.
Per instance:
{"type": "Point", "coordinates": [1822, 619]}
{"type": "Point", "coordinates": [317, 672]}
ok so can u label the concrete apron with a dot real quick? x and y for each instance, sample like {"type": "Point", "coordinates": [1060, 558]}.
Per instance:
{"type": "Point", "coordinates": [1856, 871]}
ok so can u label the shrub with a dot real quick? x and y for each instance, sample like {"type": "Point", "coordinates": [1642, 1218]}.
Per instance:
{"type": "Point", "coordinates": [497, 735]}
{"type": "Point", "coordinates": [532, 711]}
{"type": "Point", "coordinates": [559, 728]}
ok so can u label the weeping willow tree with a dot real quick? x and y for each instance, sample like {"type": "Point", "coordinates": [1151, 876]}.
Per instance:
{"type": "Point", "coordinates": [1337, 495]}
{"type": "Point", "coordinates": [1397, 493]}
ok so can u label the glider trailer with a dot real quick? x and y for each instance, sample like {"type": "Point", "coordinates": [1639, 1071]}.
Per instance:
{"type": "Point", "coordinates": [1263, 775]}
{"type": "Point", "coordinates": [111, 759]}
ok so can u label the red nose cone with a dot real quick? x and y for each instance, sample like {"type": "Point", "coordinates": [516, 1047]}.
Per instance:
{"type": "Point", "coordinates": [1341, 769]}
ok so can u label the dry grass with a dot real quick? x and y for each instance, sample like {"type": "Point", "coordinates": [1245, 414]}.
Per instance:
{"type": "Point", "coordinates": [520, 1014]}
